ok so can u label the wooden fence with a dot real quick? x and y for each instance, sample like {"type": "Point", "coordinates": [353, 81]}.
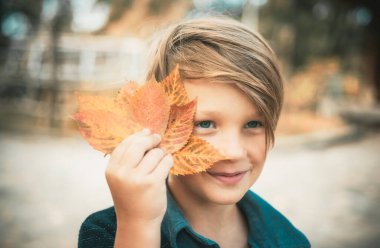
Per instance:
{"type": "Point", "coordinates": [35, 93]}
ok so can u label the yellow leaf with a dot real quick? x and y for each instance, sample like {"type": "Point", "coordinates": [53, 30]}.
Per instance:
{"type": "Point", "coordinates": [126, 92]}
{"type": "Point", "coordinates": [174, 88]}
{"type": "Point", "coordinates": [105, 129]}
{"type": "Point", "coordinates": [180, 127]}
{"type": "Point", "coordinates": [94, 102]}
{"type": "Point", "coordinates": [197, 156]}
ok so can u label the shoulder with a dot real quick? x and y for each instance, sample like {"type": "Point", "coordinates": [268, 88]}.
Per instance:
{"type": "Point", "coordinates": [274, 225]}
{"type": "Point", "coordinates": [98, 229]}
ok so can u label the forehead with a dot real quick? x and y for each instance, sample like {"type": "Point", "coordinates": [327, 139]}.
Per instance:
{"type": "Point", "coordinates": [216, 97]}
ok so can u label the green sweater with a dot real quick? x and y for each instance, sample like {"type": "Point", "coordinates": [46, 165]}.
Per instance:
{"type": "Point", "coordinates": [267, 228]}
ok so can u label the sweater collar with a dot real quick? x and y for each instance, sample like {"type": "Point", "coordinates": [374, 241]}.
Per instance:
{"type": "Point", "coordinates": [266, 226]}
{"type": "Point", "coordinates": [174, 221]}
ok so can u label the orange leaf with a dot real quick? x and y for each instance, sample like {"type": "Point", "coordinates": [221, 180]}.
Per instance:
{"type": "Point", "coordinates": [164, 108]}
{"type": "Point", "coordinates": [105, 129]}
{"type": "Point", "coordinates": [197, 156]}
{"type": "Point", "coordinates": [94, 102]}
{"type": "Point", "coordinates": [179, 128]}
{"type": "Point", "coordinates": [126, 92]}
{"type": "Point", "coordinates": [150, 107]}
{"type": "Point", "coordinates": [174, 88]}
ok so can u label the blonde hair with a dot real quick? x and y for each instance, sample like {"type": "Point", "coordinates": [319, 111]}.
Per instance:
{"type": "Point", "coordinates": [225, 51]}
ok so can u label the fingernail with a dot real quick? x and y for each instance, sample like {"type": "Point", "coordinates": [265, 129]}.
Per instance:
{"type": "Point", "coordinates": [157, 136]}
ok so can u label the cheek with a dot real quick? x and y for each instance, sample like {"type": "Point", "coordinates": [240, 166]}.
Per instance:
{"type": "Point", "coordinates": [257, 152]}
{"type": "Point", "coordinates": [190, 181]}
{"type": "Point", "coordinates": [217, 142]}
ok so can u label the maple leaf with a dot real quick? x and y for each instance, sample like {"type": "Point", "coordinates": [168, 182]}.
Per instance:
{"type": "Point", "coordinates": [104, 122]}
{"type": "Point", "coordinates": [94, 102]}
{"type": "Point", "coordinates": [179, 128]}
{"type": "Point", "coordinates": [105, 129]}
{"type": "Point", "coordinates": [150, 107]}
{"type": "Point", "coordinates": [126, 92]}
{"type": "Point", "coordinates": [174, 88]}
{"type": "Point", "coordinates": [197, 156]}
{"type": "Point", "coordinates": [162, 107]}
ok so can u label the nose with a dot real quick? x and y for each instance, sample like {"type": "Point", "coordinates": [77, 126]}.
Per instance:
{"type": "Point", "coordinates": [232, 146]}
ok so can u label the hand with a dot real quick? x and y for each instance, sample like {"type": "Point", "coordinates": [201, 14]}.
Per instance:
{"type": "Point", "coordinates": [136, 175]}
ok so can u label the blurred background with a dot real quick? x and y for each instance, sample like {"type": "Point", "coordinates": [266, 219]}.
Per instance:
{"type": "Point", "coordinates": [323, 174]}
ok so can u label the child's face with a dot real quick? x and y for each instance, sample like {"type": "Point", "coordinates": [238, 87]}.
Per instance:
{"type": "Point", "coordinates": [228, 119]}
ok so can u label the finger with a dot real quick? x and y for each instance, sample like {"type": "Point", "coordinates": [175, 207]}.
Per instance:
{"type": "Point", "coordinates": [150, 161]}
{"type": "Point", "coordinates": [136, 149]}
{"type": "Point", "coordinates": [118, 152]}
{"type": "Point", "coordinates": [163, 168]}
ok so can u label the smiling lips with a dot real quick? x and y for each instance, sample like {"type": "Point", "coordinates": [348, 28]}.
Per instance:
{"type": "Point", "coordinates": [228, 178]}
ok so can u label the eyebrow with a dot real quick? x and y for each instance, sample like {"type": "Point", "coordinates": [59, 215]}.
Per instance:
{"type": "Point", "coordinates": [218, 113]}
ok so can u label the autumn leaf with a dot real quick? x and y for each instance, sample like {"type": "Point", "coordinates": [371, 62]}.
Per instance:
{"type": "Point", "coordinates": [197, 156]}
{"type": "Point", "coordinates": [175, 89]}
{"type": "Point", "coordinates": [179, 128]}
{"type": "Point", "coordinates": [105, 129]}
{"type": "Point", "coordinates": [126, 92]}
{"type": "Point", "coordinates": [94, 102]}
{"type": "Point", "coordinates": [104, 122]}
{"type": "Point", "coordinates": [162, 107]}
{"type": "Point", "coordinates": [150, 107]}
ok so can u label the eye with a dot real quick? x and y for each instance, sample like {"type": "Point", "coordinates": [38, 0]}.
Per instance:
{"type": "Point", "coordinates": [253, 124]}
{"type": "Point", "coordinates": [204, 124]}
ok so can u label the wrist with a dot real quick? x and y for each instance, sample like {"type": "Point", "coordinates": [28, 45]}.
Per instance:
{"type": "Point", "coordinates": [138, 234]}
{"type": "Point", "coordinates": [130, 225]}
{"type": "Point", "coordinates": [126, 220]}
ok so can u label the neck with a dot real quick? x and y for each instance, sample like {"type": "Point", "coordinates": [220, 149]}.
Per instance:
{"type": "Point", "coordinates": [209, 219]}
{"type": "Point", "coordinates": [214, 222]}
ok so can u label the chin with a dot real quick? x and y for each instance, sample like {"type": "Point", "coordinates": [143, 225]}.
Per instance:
{"type": "Point", "coordinates": [227, 198]}
{"type": "Point", "coordinates": [226, 195]}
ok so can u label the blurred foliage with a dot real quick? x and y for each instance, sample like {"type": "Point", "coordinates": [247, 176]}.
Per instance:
{"type": "Point", "coordinates": [312, 29]}
{"type": "Point", "coordinates": [118, 7]}
{"type": "Point", "coordinates": [31, 13]}
{"type": "Point", "coordinates": [62, 20]}
{"type": "Point", "coordinates": [156, 7]}
{"type": "Point", "coordinates": [21, 22]}
{"type": "Point", "coordinates": [307, 88]}
{"type": "Point", "coordinates": [31, 10]}
{"type": "Point", "coordinates": [303, 32]}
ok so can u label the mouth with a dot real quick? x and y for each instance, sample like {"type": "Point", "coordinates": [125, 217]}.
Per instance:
{"type": "Point", "coordinates": [228, 178]}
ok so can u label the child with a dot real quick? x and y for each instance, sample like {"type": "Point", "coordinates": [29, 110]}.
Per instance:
{"type": "Point", "coordinates": [234, 75]}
